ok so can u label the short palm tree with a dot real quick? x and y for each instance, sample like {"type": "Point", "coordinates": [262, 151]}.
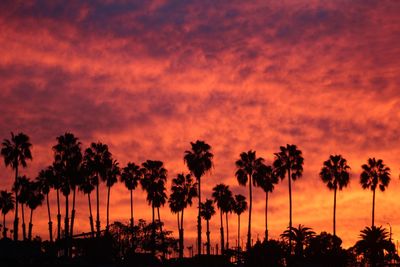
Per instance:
{"type": "Point", "coordinates": [45, 181]}
{"type": "Point", "coordinates": [206, 212]}
{"type": "Point", "coordinates": [266, 179]}
{"type": "Point", "coordinates": [246, 167]}
{"type": "Point", "coordinates": [58, 180]}
{"type": "Point", "coordinates": [301, 236]}
{"type": "Point", "coordinates": [22, 186]}
{"type": "Point", "coordinates": [239, 206]}
{"type": "Point", "coordinates": [289, 161]}
{"type": "Point", "coordinates": [87, 187]}
{"type": "Point", "coordinates": [111, 178]}
{"type": "Point", "coordinates": [97, 160]}
{"type": "Point", "coordinates": [6, 205]}
{"type": "Point", "coordinates": [35, 199]}
{"type": "Point", "coordinates": [16, 151]}
{"type": "Point", "coordinates": [130, 176]}
{"type": "Point", "coordinates": [183, 190]}
{"type": "Point", "coordinates": [335, 173]}
{"type": "Point", "coordinates": [199, 162]}
{"type": "Point", "coordinates": [374, 174]}
{"type": "Point", "coordinates": [222, 196]}
{"type": "Point", "coordinates": [373, 244]}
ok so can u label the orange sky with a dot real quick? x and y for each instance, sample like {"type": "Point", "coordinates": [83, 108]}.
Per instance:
{"type": "Point", "coordinates": [148, 78]}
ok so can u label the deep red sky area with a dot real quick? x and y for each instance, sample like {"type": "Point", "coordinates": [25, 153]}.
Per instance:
{"type": "Point", "coordinates": [148, 77]}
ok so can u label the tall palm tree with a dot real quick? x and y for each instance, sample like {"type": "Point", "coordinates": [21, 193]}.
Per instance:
{"type": "Point", "coordinates": [98, 160]}
{"type": "Point", "coordinates": [22, 187]}
{"type": "Point", "coordinates": [16, 152]}
{"type": "Point", "coordinates": [153, 182]}
{"type": "Point", "coordinates": [374, 174]}
{"type": "Point", "coordinates": [111, 178]}
{"type": "Point", "coordinates": [301, 236]}
{"type": "Point", "coordinates": [199, 162]}
{"type": "Point", "coordinates": [223, 198]}
{"type": "Point", "coordinates": [239, 206]}
{"type": "Point", "coordinates": [58, 181]}
{"type": "Point", "coordinates": [335, 173]}
{"type": "Point", "coordinates": [45, 181]}
{"type": "Point", "coordinates": [183, 190]}
{"type": "Point", "coordinates": [130, 176]}
{"type": "Point", "coordinates": [87, 187]}
{"type": "Point", "coordinates": [206, 212]}
{"type": "Point", "coordinates": [35, 199]}
{"type": "Point", "coordinates": [373, 244]}
{"type": "Point", "coordinates": [266, 179]}
{"type": "Point", "coordinates": [247, 166]}
{"type": "Point", "coordinates": [68, 154]}
{"type": "Point", "coordinates": [6, 205]}
{"type": "Point", "coordinates": [289, 161]}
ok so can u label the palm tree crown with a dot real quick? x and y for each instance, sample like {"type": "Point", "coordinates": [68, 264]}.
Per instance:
{"type": "Point", "coordinates": [375, 174]}
{"type": "Point", "coordinates": [240, 204]}
{"type": "Point", "coordinates": [17, 150]}
{"type": "Point", "coordinates": [207, 209]}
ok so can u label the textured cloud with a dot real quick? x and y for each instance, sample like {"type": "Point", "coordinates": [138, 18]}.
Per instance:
{"type": "Point", "coordinates": [148, 77]}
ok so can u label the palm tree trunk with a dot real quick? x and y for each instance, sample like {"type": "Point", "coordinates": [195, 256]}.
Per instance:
{"type": "Point", "coordinates": [208, 238]}
{"type": "Point", "coordinates": [98, 211]}
{"type": "Point", "coordinates": [50, 222]}
{"type": "Point", "coordinates": [181, 244]}
{"type": "Point", "coordinates": [373, 208]}
{"type": "Point", "coordinates": [4, 226]}
{"type": "Point", "coordinates": [73, 213]}
{"type": "Point", "coordinates": [58, 216]}
{"type": "Point", "coordinates": [153, 232]}
{"type": "Point", "coordinates": [238, 235]}
{"type": "Point", "coordinates": [16, 205]}
{"type": "Point", "coordinates": [266, 216]}
{"type": "Point", "coordinates": [108, 208]}
{"type": "Point", "coordinates": [90, 217]}
{"type": "Point", "coordinates": [161, 231]}
{"type": "Point", "coordinates": [66, 227]}
{"type": "Point", "coordinates": [334, 212]}
{"type": "Point", "coordinates": [248, 244]}
{"type": "Point", "coordinates": [222, 234]}
{"type": "Point", "coordinates": [131, 210]}
{"type": "Point", "coordinates": [30, 226]}
{"type": "Point", "coordinates": [227, 230]}
{"type": "Point", "coordinates": [199, 221]}
{"type": "Point", "coordinates": [23, 222]}
{"type": "Point", "coordinates": [290, 211]}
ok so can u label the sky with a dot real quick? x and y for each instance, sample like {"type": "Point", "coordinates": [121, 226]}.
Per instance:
{"type": "Point", "coordinates": [149, 77]}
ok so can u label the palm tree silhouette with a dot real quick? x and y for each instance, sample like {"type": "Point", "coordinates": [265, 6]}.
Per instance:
{"type": "Point", "coordinates": [58, 180]}
{"type": "Point", "coordinates": [16, 152]}
{"type": "Point", "coordinates": [206, 212]}
{"type": "Point", "coordinates": [45, 180]}
{"type": "Point", "coordinates": [266, 179]}
{"type": "Point", "coordinates": [130, 176]}
{"type": "Point", "coordinates": [97, 160]}
{"type": "Point", "coordinates": [87, 187]}
{"type": "Point", "coordinates": [374, 174]}
{"type": "Point", "coordinates": [335, 173]}
{"type": "Point", "coordinates": [22, 186]}
{"type": "Point", "coordinates": [247, 166]}
{"type": "Point", "coordinates": [223, 198]}
{"type": "Point", "coordinates": [239, 206]}
{"type": "Point", "coordinates": [111, 178]}
{"type": "Point", "coordinates": [67, 153]}
{"type": "Point", "coordinates": [35, 199]}
{"type": "Point", "coordinates": [6, 205]}
{"type": "Point", "coordinates": [289, 160]}
{"type": "Point", "coordinates": [373, 244]}
{"type": "Point", "coordinates": [301, 236]}
{"type": "Point", "coordinates": [183, 190]}
{"type": "Point", "coordinates": [199, 162]}
{"type": "Point", "coordinates": [153, 182]}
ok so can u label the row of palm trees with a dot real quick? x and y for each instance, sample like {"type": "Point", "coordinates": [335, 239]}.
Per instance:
{"type": "Point", "coordinates": [75, 170]}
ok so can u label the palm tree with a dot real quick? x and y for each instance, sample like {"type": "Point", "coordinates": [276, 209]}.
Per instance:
{"type": "Point", "coordinates": [247, 166]}
{"type": "Point", "coordinates": [301, 236]}
{"type": "Point", "coordinates": [223, 198]}
{"type": "Point", "coordinates": [335, 173]}
{"type": "Point", "coordinates": [16, 152]}
{"type": "Point", "coordinates": [111, 178]}
{"type": "Point", "coordinates": [266, 179]}
{"type": "Point", "coordinates": [153, 182]}
{"type": "Point", "coordinates": [130, 176]}
{"type": "Point", "coordinates": [199, 162]}
{"type": "Point", "coordinates": [45, 181]}
{"type": "Point", "coordinates": [87, 187]}
{"type": "Point", "coordinates": [374, 174]}
{"type": "Point", "coordinates": [183, 190]}
{"type": "Point", "coordinates": [35, 199]}
{"type": "Point", "coordinates": [22, 186]}
{"type": "Point", "coordinates": [289, 160]}
{"type": "Point", "coordinates": [6, 204]}
{"type": "Point", "coordinates": [56, 168]}
{"type": "Point", "coordinates": [206, 212]}
{"type": "Point", "coordinates": [98, 160]}
{"type": "Point", "coordinates": [239, 206]}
